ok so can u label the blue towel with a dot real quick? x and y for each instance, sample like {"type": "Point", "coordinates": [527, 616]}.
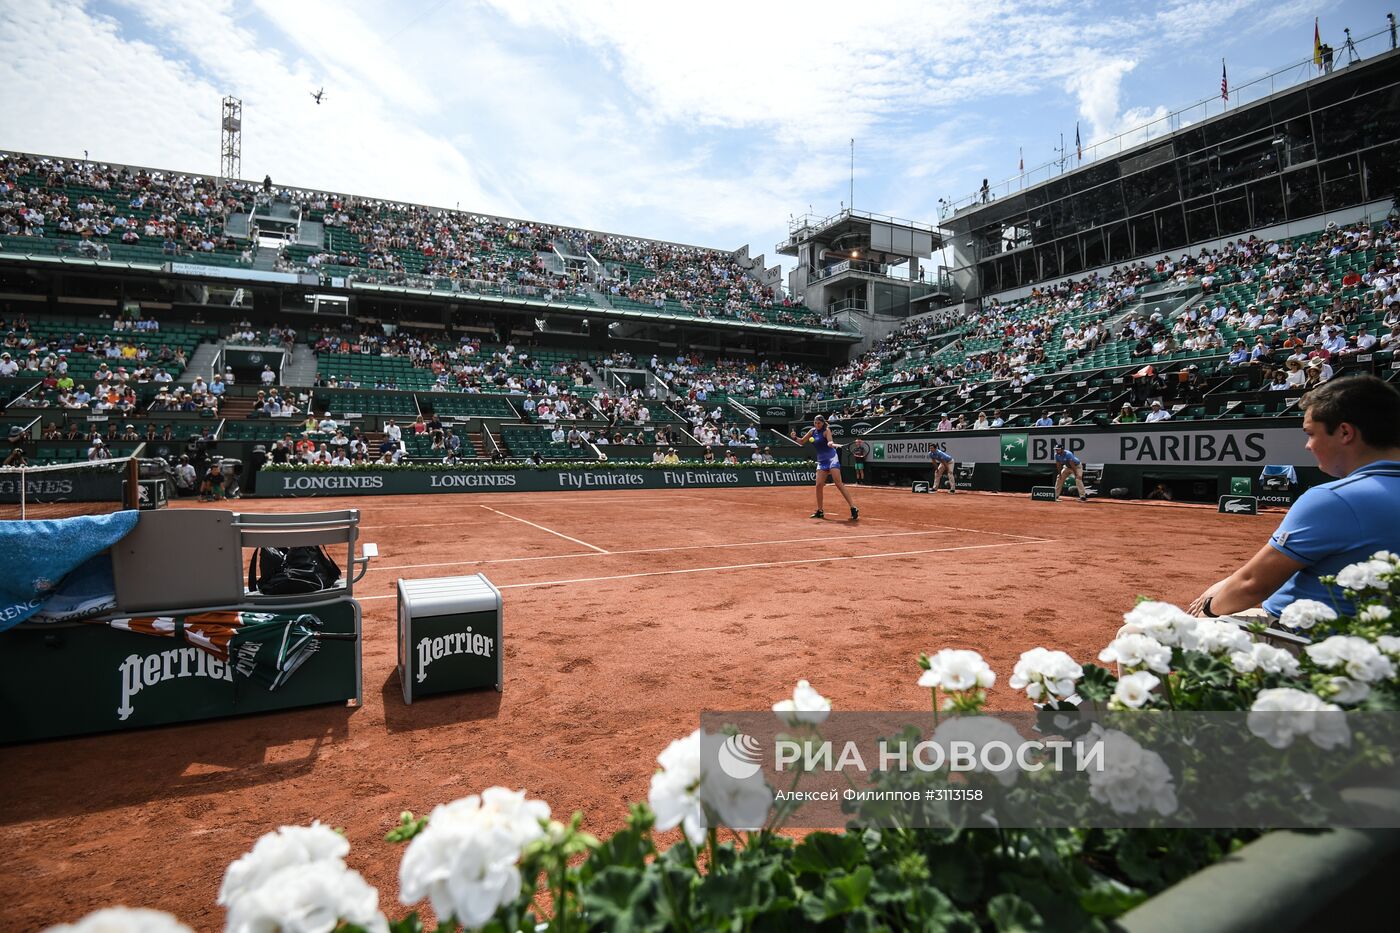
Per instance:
{"type": "Point", "coordinates": [35, 556]}
{"type": "Point", "coordinates": [1280, 469]}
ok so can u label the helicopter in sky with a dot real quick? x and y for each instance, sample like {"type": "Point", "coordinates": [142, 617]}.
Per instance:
{"type": "Point", "coordinates": [318, 96]}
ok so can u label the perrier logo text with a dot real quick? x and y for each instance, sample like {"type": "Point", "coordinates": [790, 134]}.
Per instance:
{"type": "Point", "coordinates": [141, 671]}
{"type": "Point", "coordinates": [441, 646]}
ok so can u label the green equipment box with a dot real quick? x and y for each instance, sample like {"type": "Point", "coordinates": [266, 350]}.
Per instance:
{"type": "Point", "coordinates": [449, 635]}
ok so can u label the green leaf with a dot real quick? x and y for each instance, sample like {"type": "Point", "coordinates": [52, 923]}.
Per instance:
{"type": "Point", "coordinates": [1097, 683]}
{"type": "Point", "coordinates": [821, 853]}
{"type": "Point", "coordinates": [1012, 914]}
{"type": "Point", "coordinates": [1111, 899]}
{"type": "Point", "coordinates": [619, 898]}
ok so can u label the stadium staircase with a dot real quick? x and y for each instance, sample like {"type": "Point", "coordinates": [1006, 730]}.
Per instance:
{"type": "Point", "coordinates": [300, 370]}
{"type": "Point", "coordinates": [265, 259]}
{"type": "Point", "coordinates": [234, 408]}
{"type": "Point", "coordinates": [200, 364]}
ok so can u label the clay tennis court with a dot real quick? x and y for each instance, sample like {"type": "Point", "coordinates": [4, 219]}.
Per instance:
{"type": "Point", "coordinates": [626, 614]}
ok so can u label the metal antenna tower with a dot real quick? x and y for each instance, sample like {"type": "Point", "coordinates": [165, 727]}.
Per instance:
{"type": "Point", "coordinates": [231, 140]}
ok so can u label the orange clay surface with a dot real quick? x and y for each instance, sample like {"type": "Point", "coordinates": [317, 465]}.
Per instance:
{"type": "Point", "coordinates": [626, 615]}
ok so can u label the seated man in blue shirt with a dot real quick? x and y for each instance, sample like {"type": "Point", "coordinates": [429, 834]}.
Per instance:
{"type": "Point", "coordinates": [1353, 428]}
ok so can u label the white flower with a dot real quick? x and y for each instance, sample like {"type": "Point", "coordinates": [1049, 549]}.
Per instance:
{"type": "Point", "coordinates": [1374, 614]}
{"type": "Point", "coordinates": [684, 786]}
{"type": "Point", "coordinates": [465, 860]}
{"type": "Point", "coordinates": [674, 794]}
{"type": "Point", "coordinates": [956, 669]}
{"type": "Point", "coordinates": [1280, 715]}
{"type": "Point", "coordinates": [1365, 575]}
{"type": "Point", "coordinates": [1305, 613]}
{"type": "Point", "coordinates": [285, 847]}
{"type": "Point", "coordinates": [1387, 556]}
{"type": "Point", "coordinates": [1264, 658]}
{"type": "Point", "coordinates": [1045, 674]}
{"type": "Point", "coordinates": [1358, 658]}
{"type": "Point", "coordinates": [123, 920]}
{"type": "Point", "coordinates": [1216, 636]}
{"type": "Point", "coordinates": [806, 706]}
{"type": "Point", "coordinates": [1132, 779]}
{"type": "Point", "coordinates": [980, 731]}
{"type": "Point", "coordinates": [310, 898]}
{"type": "Point", "coordinates": [1348, 691]}
{"type": "Point", "coordinates": [1390, 644]}
{"type": "Point", "coordinates": [1161, 622]}
{"type": "Point", "coordinates": [1135, 689]}
{"type": "Point", "coordinates": [740, 803]}
{"type": "Point", "coordinates": [1136, 651]}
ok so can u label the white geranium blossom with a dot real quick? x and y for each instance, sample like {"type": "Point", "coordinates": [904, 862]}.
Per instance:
{"type": "Point", "coordinates": [1365, 575]}
{"type": "Point", "coordinates": [1374, 614]}
{"type": "Point", "coordinates": [956, 669]}
{"type": "Point", "coordinates": [1134, 690]}
{"type": "Point", "coordinates": [684, 787]}
{"type": "Point", "coordinates": [1348, 691]}
{"type": "Point", "coordinates": [310, 898]}
{"type": "Point", "coordinates": [285, 847]}
{"type": "Point", "coordinates": [1161, 622]}
{"type": "Point", "coordinates": [981, 731]}
{"type": "Point", "coordinates": [1389, 644]}
{"type": "Point", "coordinates": [1045, 675]}
{"type": "Point", "coordinates": [1133, 778]}
{"type": "Point", "coordinates": [1138, 651]}
{"type": "Point", "coordinates": [1280, 715]}
{"type": "Point", "coordinates": [674, 794]}
{"type": "Point", "coordinates": [465, 861]}
{"type": "Point", "coordinates": [123, 920]}
{"type": "Point", "coordinates": [1266, 659]}
{"type": "Point", "coordinates": [1358, 658]}
{"type": "Point", "coordinates": [1216, 636]}
{"type": "Point", "coordinates": [806, 706]}
{"type": "Point", "coordinates": [740, 803]}
{"type": "Point", "coordinates": [1305, 613]}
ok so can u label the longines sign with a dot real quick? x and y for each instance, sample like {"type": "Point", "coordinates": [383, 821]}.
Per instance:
{"type": "Point", "coordinates": [389, 482]}
{"type": "Point", "coordinates": [1177, 447]}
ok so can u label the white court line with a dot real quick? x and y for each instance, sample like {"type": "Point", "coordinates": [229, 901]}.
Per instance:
{"type": "Point", "coordinates": [904, 521]}
{"type": "Point", "coordinates": [557, 534]}
{"type": "Point", "coordinates": [545, 497]}
{"type": "Point", "coordinates": [774, 563]}
{"type": "Point", "coordinates": [657, 550]}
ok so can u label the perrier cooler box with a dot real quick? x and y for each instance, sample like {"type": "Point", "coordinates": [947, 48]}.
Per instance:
{"type": "Point", "coordinates": [449, 635]}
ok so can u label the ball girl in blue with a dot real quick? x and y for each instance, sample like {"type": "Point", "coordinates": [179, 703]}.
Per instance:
{"type": "Point", "coordinates": [943, 463]}
{"type": "Point", "coordinates": [1069, 465]}
{"type": "Point", "coordinates": [828, 463]}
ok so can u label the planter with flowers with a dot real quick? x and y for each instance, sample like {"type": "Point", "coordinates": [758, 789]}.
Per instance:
{"type": "Point", "coordinates": [497, 861]}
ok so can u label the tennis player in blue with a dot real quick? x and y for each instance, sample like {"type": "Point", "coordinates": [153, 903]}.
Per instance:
{"type": "Point", "coordinates": [1070, 465]}
{"type": "Point", "coordinates": [828, 463]}
{"type": "Point", "coordinates": [942, 463]}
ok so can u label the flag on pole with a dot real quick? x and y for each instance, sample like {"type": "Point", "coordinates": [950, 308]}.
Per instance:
{"type": "Point", "coordinates": [1224, 83]}
{"type": "Point", "coordinates": [1317, 44]}
{"type": "Point", "coordinates": [1021, 160]}
{"type": "Point", "coordinates": [1078, 147]}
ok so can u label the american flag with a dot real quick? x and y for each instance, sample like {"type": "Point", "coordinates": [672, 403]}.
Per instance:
{"type": "Point", "coordinates": [1224, 83]}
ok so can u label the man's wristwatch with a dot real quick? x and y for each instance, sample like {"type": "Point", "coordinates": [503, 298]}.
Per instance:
{"type": "Point", "coordinates": [1205, 607]}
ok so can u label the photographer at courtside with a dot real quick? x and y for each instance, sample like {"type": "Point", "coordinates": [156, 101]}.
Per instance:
{"type": "Point", "coordinates": [1353, 428]}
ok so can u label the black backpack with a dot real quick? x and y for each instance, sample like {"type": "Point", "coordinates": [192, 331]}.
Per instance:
{"type": "Point", "coordinates": [291, 570]}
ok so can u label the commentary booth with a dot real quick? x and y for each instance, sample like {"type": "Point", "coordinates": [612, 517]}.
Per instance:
{"type": "Point", "coordinates": [188, 639]}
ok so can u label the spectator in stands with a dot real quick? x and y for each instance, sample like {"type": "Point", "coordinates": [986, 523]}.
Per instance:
{"type": "Point", "coordinates": [1239, 355]}
{"type": "Point", "coordinates": [98, 450]}
{"type": "Point", "coordinates": [1161, 493]}
{"type": "Point", "coordinates": [1044, 421]}
{"type": "Point", "coordinates": [1158, 413]}
{"type": "Point", "coordinates": [1353, 428]}
{"type": "Point", "coordinates": [1127, 415]}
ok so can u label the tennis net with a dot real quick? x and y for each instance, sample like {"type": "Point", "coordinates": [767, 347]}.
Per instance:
{"type": "Point", "coordinates": [66, 489]}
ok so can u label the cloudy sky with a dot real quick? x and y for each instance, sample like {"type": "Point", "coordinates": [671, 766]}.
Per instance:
{"type": "Point", "coordinates": [703, 123]}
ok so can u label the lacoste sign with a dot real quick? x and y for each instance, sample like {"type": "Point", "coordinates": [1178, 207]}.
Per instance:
{"type": "Point", "coordinates": [1239, 505]}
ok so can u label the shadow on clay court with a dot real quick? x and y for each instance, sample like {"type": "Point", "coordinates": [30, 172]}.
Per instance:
{"type": "Point", "coordinates": [167, 762]}
{"type": "Point", "coordinates": [433, 711]}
